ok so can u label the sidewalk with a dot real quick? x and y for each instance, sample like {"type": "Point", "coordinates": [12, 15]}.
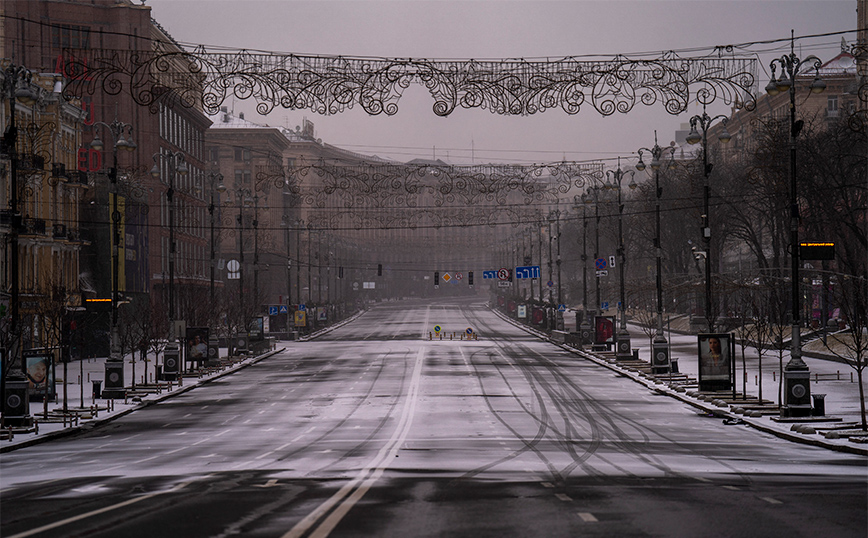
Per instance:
{"type": "Point", "coordinates": [834, 379]}
{"type": "Point", "coordinates": [85, 412]}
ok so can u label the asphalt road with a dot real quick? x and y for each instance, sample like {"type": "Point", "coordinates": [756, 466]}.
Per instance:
{"type": "Point", "coordinates": [375, 430]}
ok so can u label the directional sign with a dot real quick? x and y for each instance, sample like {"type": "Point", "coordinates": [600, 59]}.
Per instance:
{"type": "Point", "coordinates": [600, 263]}
{"type": "Point", "coordinates": [530, 271]}
{"type": "Point", "coordinates": [437, 329]}
{"type": "Point", "coordinates": [489, 274]}
{"type": "Point", "coordinates": [469, 330]}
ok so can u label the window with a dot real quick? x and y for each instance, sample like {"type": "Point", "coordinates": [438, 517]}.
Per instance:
{"type": "Point", "coordinates": [832, 106]}
{"type": "Point", "coordinates": [70, 37]}
{"type": "Point", "coordinates": [242, 154]}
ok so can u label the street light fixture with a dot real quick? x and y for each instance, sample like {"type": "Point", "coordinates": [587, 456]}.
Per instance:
{"type": "Point", "coordinates": [176, 165]}
{"type": "Point", "coordinates": [704, 122]}
{"type": "Point", "coordinates": [660, 350]}
{"type": "Point", "coordinates": [16, 410]}
{"type": "Point", "coordinates": [797, 386]}
{"type": "Point", "coordinates": [613, 182]}
{"type": "Point", "coordinates": [213, 342]}
{"type": "Point", "coordinates": [114, 366]}
{"type": "Point", "coordinates": [585, 326]}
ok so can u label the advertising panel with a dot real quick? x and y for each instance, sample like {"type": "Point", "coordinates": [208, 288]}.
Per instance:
{"type": "Point", "coordinates": [39, 370]}
{"type": "Point", "coordinates": [715, 361]}
{"type": "Point", "coordinates": [197, 343]}
{"type": "Point", "coordinates": [604, 327]}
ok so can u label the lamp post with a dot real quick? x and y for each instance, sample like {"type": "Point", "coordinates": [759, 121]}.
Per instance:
{"type": "Point", "coordinates": [114, 366]}
{"type": "Point", "coordinates": [704, 122]}
{"type": "Point", "coordinates": [285, 223]}
{"type": "Point", "coordinates": [176, 165]}
{"type": "Point", "coordinates": [213, 345]}
{"type": "Point", "coordinates": [797, 386]}
{"type": "Point", "coordinates": [613, 181]}
{"type": "Point", "coordinates": [660, 349]}
{"type": "Point", "coordinates": [17, 87]}
{"type": "Point", "coordinates": [585, 331]}
{"type": "Point", "coordinates": [242, 197]}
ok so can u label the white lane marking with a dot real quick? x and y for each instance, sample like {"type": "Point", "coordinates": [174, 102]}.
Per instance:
{"type": "Point", "coordinates": [770, 500]}
{"type": "Point", "coordinates": [563, 496]}
{"type": "Point", "coordinates": [547, 484]}
{"type": "Point", "coordinates": [588, 517]}
{"type": "Point", "coordinates": [356, 488]}
{"type": "Point", "coordinates": [103, 510]}
{"type": "Point", "coordinates": [732, 488]}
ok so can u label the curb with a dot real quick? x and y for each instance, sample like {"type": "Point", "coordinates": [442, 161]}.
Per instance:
{"type": "Point", "coordinates": [97, 422]}
{"type": "Point", "coordinates": [716, 411]}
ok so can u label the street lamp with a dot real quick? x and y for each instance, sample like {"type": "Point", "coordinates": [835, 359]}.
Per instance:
{"type": "Point", "coordinates": [16, 410]}
{"type": "Point", "coordinates": [242, 197]}
{"type": "Point", "coordinates": [613, 182]}
{"type": "Point", "coordinates": [704, 121]}
{"type": "Point", "coordinates": [797, 384]}
{"type": "Point", "coordinates": [220, 187]}
{"type": "Point", "coordinates": [213, 342]}
{"type": "Point", "coordinates": [585, 327]}
{"type": "Point", "coordinates": [660, 350]}
{"type": "Point", "coordinates": [177, 165]}
{"type": "Point", "coordinates": [114, 367]}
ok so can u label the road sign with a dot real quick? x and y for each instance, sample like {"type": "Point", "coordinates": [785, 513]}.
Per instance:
{"type": "Point", "coordinates": [529, 271]}
{"type": "Point", "coordinates": [458, 276]}
{"type": "Point", "coordinates": [489, 274]}
{"type": "Point", "coordinates": [604, 305]}
{"type": "Point", "coordinates": [437, 329]}
{"type": "Point", "coordinates": [446, 277]}
{"type": "Point", "coordinates": [611, 261]}
{"type": "Point", "coordinates": [600, 263]}
{"type": "Point", "coordinates": [602, 273]}
{"type": "Point", "coordinates": [301, 307]}
{"type": "Point", "coordinates": [562, 308]}
{"type": "Point", "coordinates": [284, 309]}
{"type": "Point", "coordinates": [273, 310]}
{"type": "Point", "coordinates": [504, 284]}
{"type": "Point", "coordinates": [503, 274]}
{"type": "Point", "coordinates": [550, 283]}
{"type": "Point", "coordinates": [469, 330]}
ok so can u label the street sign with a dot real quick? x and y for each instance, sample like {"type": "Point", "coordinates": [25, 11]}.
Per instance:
{"type": "Point", "coordinates": [301, 307]}
{"type": "Point", "coordinates": [469, 331]}
{"type": "Point", "coordinates": [273, 310]}
{"type": "Point", "coordinates": [550, 283]}
{"type": "Point", "coordinates": [504, 284]}
{"type": "Point", "coordinates": [437, 329]}
{"type": "Point", "coordinates": [611, 261]}
{"type": "Point", "coordinates": [602, 273]}
{"type": "Point", "coordinates": [604, 305]}
{"type": "Point", "coordinates": [458, 276]}
{"type": "Point", "coordinates": [562, 308]}
{"type": "Point", "coordinates": [503, 274]}
{"type": "Point", "coordinates": [530, 271]}
{"type": "Point", "coordinates": [600, 263]}
{"type": "Point", "coordinates": [446, 277]}
{"type": "Point", "coordinates": [284, 309]}
{"type": "Point", "coordinates": [489, 274]}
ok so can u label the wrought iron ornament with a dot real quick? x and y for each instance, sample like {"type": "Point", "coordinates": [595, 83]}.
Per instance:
{"type": "Point", "coordinates": [332, 84]}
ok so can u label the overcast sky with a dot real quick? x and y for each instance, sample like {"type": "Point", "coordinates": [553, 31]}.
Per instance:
{"type": "Point", "coordinates": [500, 29]}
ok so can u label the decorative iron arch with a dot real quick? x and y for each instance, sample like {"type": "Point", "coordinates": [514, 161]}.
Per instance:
{"type": "Point", "coordinates": [333, 84]}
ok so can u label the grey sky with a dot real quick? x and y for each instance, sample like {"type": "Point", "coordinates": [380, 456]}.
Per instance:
{"type": "Point", "coordinates": [499, 29]}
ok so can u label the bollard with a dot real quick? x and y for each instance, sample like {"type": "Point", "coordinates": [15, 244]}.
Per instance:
{"type": "Point", "coordinates": [839, 375]}
{"type": "Point", "coordinates": [756, 380]}
{"type": "Point", "coordinates": [773, 375]}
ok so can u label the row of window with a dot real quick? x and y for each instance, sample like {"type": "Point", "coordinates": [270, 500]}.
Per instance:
{"type": "Point", "coordinates": [190, 258]}
{"type": "Point", "coordinates": [181, 133]}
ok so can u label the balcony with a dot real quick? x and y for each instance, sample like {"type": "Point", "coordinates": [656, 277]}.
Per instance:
{"type": "Point", "coordinates": [31, 226]}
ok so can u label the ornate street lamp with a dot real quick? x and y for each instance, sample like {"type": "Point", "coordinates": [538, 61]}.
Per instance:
{"type": "Point", "coordinates": [177, 165]}
{"type": "Point", "coordinates": [242, 197]}
{"type": "Point", "coordinates": [613, 181]}
{"type": "Point", "coordinates": [704, 123]}
{"type": "Point", "coordinates": [114, 366]}
{"type": "Point", "coordinates": [660, 350]}
{"type": "Point", "coordinates": [220, 187]}
{"type": "Point", "coordinates": [585, 327]}
{"type": "Point", "coordinates": [797, 386]}
{"type": "Point", "coordinates": [16, 86]}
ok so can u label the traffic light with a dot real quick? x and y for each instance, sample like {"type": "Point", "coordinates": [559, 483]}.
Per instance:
{"type": "Point", "coordinates": [510, 274]}
{"type": "Point", "coordinates": [436, 278]}
{"type": "Point", "coordinates": [379, 269]}
{"type": "Point", "coordinates": [470, 278]}
{"type": "Point", "coordinates": [340, 272]}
